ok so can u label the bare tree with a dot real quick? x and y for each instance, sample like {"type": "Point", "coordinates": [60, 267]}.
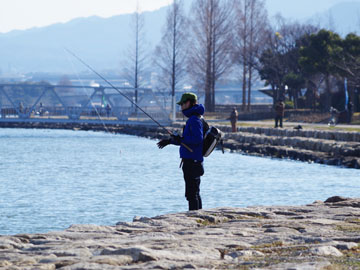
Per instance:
{"type": "Point", "coordinates": [331, 22]}
{"type": "Point", "coordinates": [65, 81]}
{"type": "Point", "coordinates": [135, 65]}
{"type": "Point", "coordinates": [170, 54]}
{"type": "Point", "coordinates": [251, 24]}
{"type": "Point", "coordinates": [210, 51]}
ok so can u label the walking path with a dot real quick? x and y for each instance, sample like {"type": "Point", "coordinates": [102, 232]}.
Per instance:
{"type": "Point", "coordinates": [270, 123]}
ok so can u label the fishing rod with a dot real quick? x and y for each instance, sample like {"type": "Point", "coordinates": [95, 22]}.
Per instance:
{"type": "Point", "coordinates": [125, 96]}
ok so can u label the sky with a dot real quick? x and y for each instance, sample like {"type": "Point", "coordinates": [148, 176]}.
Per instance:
{"type": "Point", "coordinates": [301, 9]}
{"type": "Point", "coordinates": [25, 14]}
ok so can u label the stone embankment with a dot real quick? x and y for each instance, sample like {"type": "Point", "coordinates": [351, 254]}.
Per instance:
{"type": "Point", "coordinates": [321, 235]}
{"type": "Point", "coordinates": [325, 147]}
{"type": "Point", "coordinates": [310, 145]}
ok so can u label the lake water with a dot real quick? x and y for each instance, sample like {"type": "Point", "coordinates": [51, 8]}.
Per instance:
{"type": "Point", "coordinates": [50, 179]}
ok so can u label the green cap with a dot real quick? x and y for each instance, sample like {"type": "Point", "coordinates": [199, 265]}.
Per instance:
{"type": "Point", "coordinates": [187, 96]}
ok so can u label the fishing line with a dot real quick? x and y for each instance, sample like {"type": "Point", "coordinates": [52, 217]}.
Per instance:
{"type": "Point", "coordinates": [83, 87]}
{"type": "Point", "coordinates": [115, 88]}
{"type": "Point", "coordinates": [125, 96]}
{"type": "Point", "coordinates": [89, 98]}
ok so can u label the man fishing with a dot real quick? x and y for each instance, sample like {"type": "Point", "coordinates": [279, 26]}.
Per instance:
{"type": "Point", "coordinates": [191, 148]}
{"type": "Point", "coordinates": [191, 144]}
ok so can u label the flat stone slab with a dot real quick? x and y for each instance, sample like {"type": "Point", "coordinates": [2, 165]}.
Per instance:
{"type": "Point", "coordinates": [316, 236]}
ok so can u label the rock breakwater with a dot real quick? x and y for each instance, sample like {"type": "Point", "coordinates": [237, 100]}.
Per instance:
{"type": "Point", "coordinates": [321, 235]}
{"type": "Point", "coordinates": [325, 147]}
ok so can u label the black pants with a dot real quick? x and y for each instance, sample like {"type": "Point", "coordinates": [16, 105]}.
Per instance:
{"type": "Point", "coordinates": [192, 171]}
{"type": "Point", "coordinates": [277, 119]}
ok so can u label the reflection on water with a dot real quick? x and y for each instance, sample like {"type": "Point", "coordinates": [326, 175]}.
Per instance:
{"type": "Point", "coordinates": [51, 179]}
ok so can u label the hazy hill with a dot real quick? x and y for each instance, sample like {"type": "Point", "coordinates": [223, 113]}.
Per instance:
{"type": "Point", "coordinates": [342, 18]}
{"type": "Point", "coordinates": [103, 42]}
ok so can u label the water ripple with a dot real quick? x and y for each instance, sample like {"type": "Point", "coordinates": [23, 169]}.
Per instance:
{"type": "Point", "coordinates": [51, 179]}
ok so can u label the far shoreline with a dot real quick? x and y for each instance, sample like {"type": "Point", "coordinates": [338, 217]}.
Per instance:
{"type": "Point", "coordinates": [336, 148]}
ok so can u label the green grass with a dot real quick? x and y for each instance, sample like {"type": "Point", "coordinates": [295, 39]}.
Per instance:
{"type": "Point", "coordinates": [353, 220]}
{"type": "Point", "coordinates": [348, 228]}
{"type": "Point", "coordinates": [349, 129]}
{"type": "Point", "coordinates": [270, 245]}
{"type": "Point", "coordinates": [204, 222]}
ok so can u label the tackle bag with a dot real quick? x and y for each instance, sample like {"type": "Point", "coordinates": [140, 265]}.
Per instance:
{"type": "Point", "coordinates": [212, 137]}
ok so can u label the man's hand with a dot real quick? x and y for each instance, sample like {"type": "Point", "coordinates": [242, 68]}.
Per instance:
{"type": "Point", "coordinates": [176, 139]}
{"type": "Point", "coordinates": [163, 143]}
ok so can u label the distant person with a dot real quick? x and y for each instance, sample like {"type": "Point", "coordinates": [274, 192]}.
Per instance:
{"type": "Point", "coordinates": [333, 118]}
{"type": "Point", "coordinates": [192, 139]}
{"type": "Point", "coordinates": [233, 119]}
{"type": "Point", "coordinates": [41, 109]}
{"type": "Point", "coordinates": [21, 107]}
{"type": "Point", "coordinates": [108, 110]}
{"type": "Point", "coordinates": [279, 113]}
{"type": "Point", "coordinates": [349, 112]}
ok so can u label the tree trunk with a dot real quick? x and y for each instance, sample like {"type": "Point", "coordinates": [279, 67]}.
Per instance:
{"type": "Point", "coordinates": [296, 97]}
{"type": "Point", "coordinates": [249, 89]}
{"type": "Point", "coordinates": [136, 73]}
{"type": "Point", "coordinates": [209, 57]}
{"type": "Point", "coordinates": [209, 102]}
{"type": "Point", "coordinates": [208, 94]}
{"type": "Point", "coordinates": [173, 74]}
{"type": "Point", "coordinates": [243, 107]}
{"type": "Point", "coordinates": [213, 70]}
{"type": "Point", "coordinates": [251, 51]}
{"type": "Point", "coordinates": [244, 58]}
{"type": "Point", "coordinates": [327, 93]}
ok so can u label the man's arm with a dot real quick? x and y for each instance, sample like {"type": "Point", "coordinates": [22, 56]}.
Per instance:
{"type": "Point", "coordinates": [196, 132]}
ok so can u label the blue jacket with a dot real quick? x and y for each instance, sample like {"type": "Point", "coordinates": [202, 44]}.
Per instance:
{"type": "Point", "coordinates": [193, 133]}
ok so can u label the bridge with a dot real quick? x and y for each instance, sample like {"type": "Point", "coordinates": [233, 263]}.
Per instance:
{"type": "Point", "coordinates": [43, 102]}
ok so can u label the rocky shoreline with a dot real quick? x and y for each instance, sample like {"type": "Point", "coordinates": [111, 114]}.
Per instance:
{"type": "Point", "coordinates": [321, 235]}
{"type": "Point", "coordinates": [324, 147]}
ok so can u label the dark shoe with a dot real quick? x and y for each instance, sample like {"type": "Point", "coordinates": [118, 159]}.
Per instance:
{"type": "Point", "coordinates": [193, 205]}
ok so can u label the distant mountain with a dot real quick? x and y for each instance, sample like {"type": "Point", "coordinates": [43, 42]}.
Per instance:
{"type": "Point", "coordinates": [102, 42]}
{"type": "Point", "coordinates": [342, 18]}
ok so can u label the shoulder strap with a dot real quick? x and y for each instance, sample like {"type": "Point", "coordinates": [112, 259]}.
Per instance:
{"type": "Point", "coordinates": [205, 125]}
